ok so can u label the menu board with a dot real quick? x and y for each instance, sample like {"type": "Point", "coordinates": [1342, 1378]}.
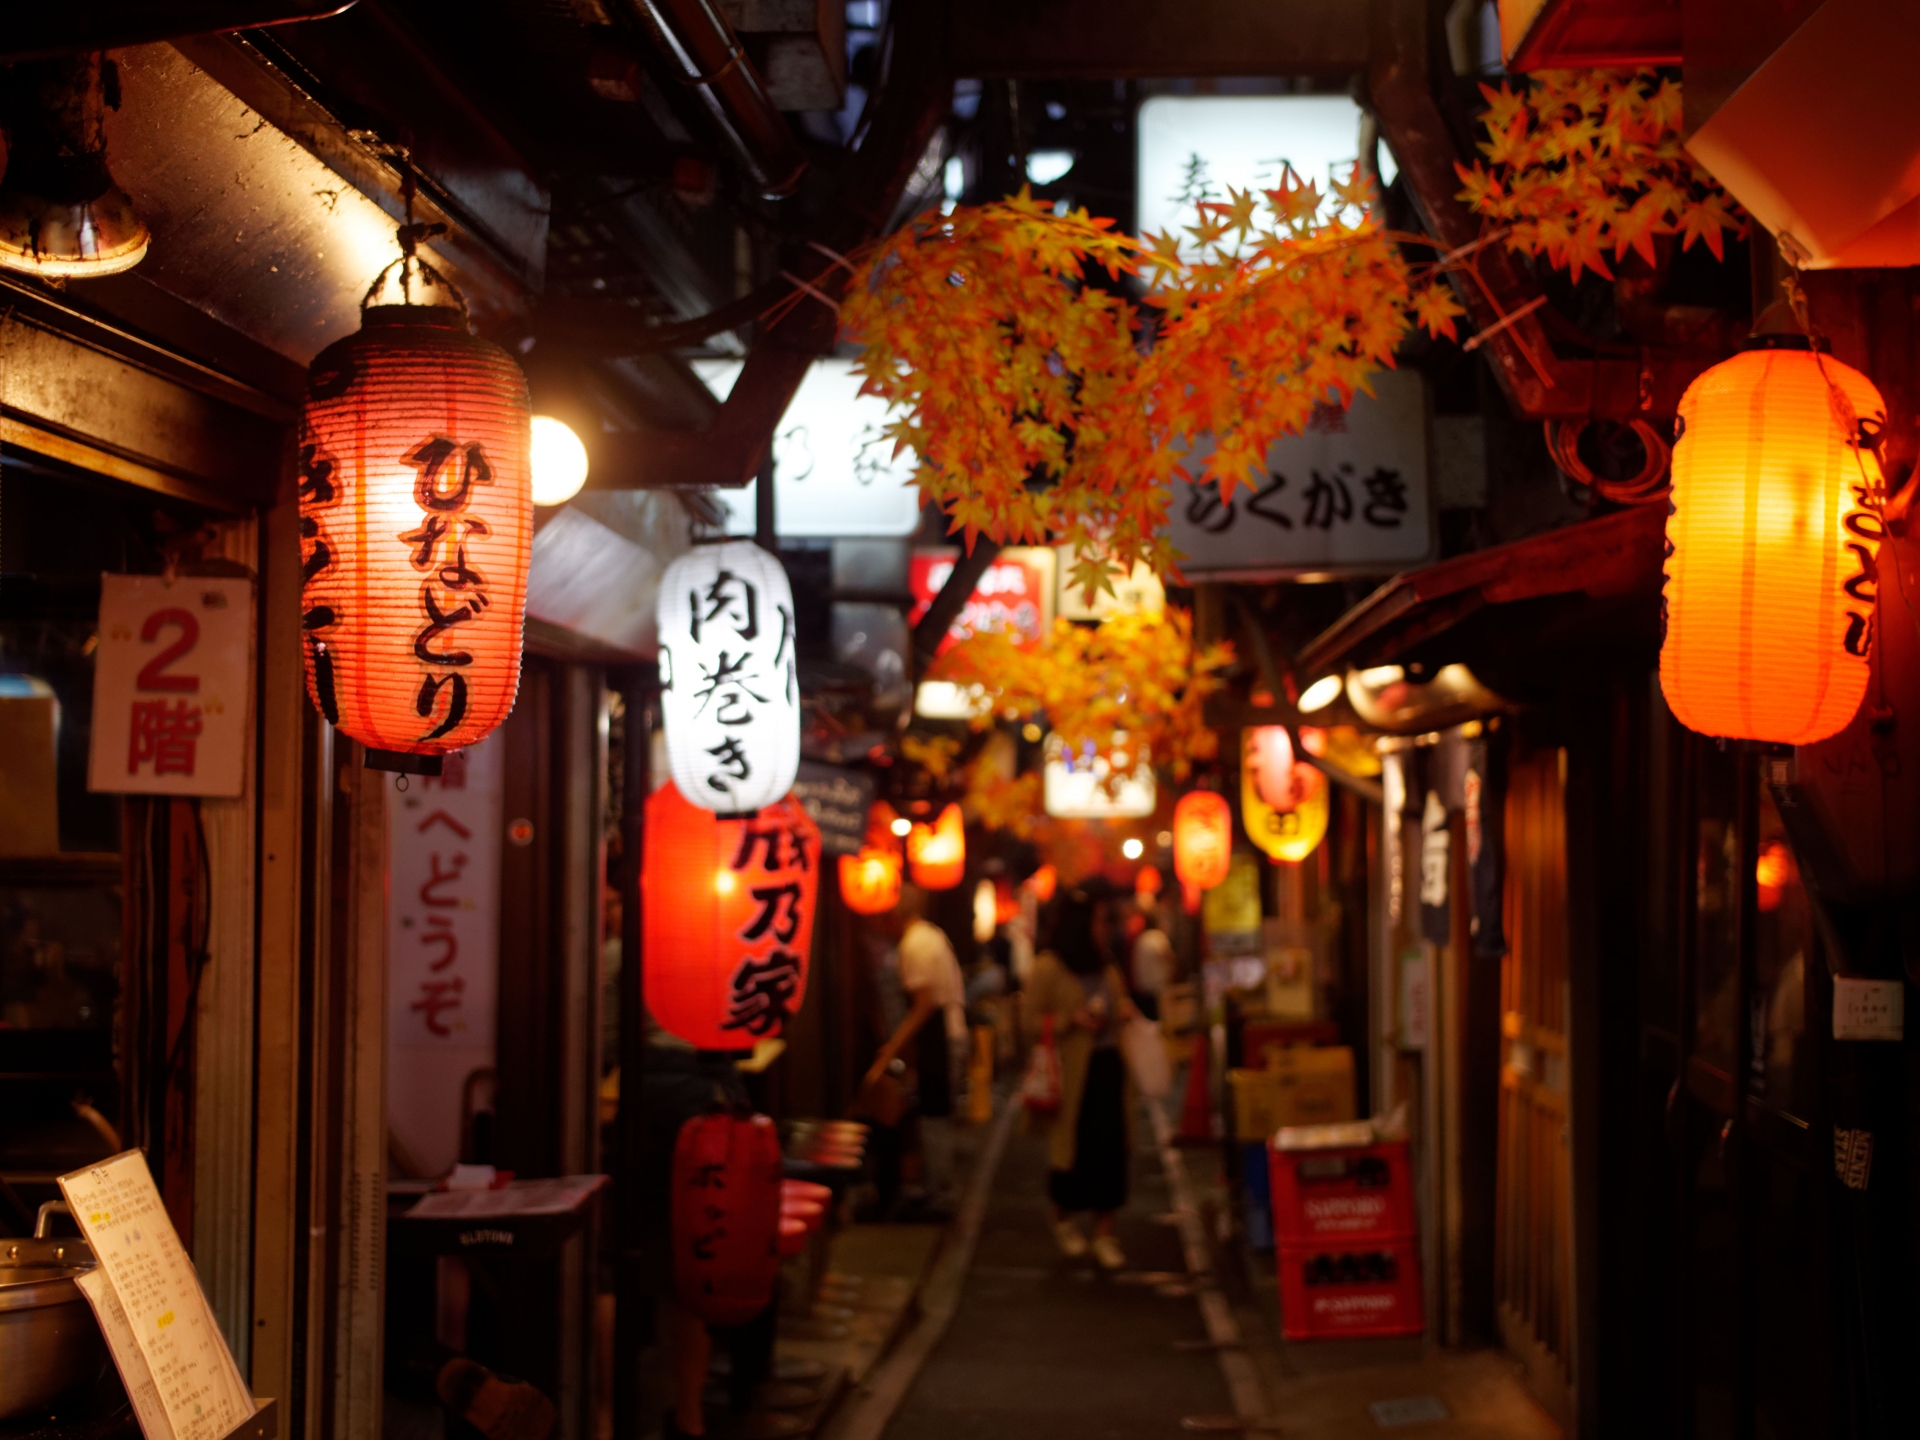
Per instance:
{"type": "Point", "coordinates": [169, 1350]}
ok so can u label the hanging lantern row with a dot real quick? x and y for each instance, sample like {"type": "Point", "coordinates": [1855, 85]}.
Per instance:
{"type": "Point", "coordinates": [728, 918]}
{"type": "Point", "coordinates": [937, 853]}
{"type": "Point", "coordinates": [1772, 544]}
{"type": "Point", "coordinates": [729, 686]}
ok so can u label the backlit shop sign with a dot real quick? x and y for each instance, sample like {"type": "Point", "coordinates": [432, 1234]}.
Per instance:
{"type": "Point", "coordinates": [1014, 595]}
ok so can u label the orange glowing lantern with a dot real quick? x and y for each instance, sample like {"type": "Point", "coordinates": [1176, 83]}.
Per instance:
{"type": "Point", "coordinates": [1773, 871]}
{"type": "Point", "coordinates": [416, 525]}
{"type": "Point", "coordinates": [937, 853]}
{"type": "Point", "coordinates": [1202, 839]}
{"type": "Point", "coordinates": [1772, 545]}
{"type": "Point", "coordinates": [1043, 882]}
{"type": "Point", "coordinates": [1148, 882]}
{"type": "Point", "coordinates": [870, 881]}
{"type": "Point", "coordinates": [728, 918]}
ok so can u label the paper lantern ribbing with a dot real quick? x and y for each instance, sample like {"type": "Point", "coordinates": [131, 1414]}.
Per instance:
{"type": "Point", "coordinates": [1202, 839]}
{"type": "Point", "coordinates": [416, 530]}
{"type": "Point", "coordinates": [870, 881]}
{"type": "Point", "coordinates": [729, 695]}
{"type": "Point", "coordinates": [937, 853]}
{"type": "Point", "coordinates": [1772, 541]}
{"type": "Point", "coordinates": [728, 919]}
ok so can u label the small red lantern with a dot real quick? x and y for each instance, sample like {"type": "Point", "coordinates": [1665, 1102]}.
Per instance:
{"type": "Point", "coordinates": [729, 919]}
{"type": "Point", "coordinates": [1190, 897]}
{"type": "Point", "coordinates": [1147, 883]}
{"type": "Point", "coordinates": [1202, 839]}
{"type": "Point", "coordinates": [1006, 905]}
{"type": "Point", "coordinates": [937, 853]}
{"type": "Point", "coordinates": [416, 531]}
{"type": "Point", "coordinates": [870, 881]}
{"type": "Point", "coordinates": [726, 1215]}
{"type": "Point", "coordinates": [1043, 882]}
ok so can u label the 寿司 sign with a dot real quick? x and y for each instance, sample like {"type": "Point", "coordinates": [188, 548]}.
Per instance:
{"type": "Point", "coordinates": [1014, 595]}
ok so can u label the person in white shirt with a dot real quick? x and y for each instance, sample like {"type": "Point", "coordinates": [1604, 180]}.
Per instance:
{"type": "Point", "coordinates": [1152, 968]}
{"type": "Point", "coordinates": [935, 1026]}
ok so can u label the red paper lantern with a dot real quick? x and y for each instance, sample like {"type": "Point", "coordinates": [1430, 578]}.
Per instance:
{"type": "Point", "coordinates": [1202, 839]}
{"type": "Point", "coordinates": [1190, 897]}
{"type": "Point", "coordinates": [870, 881]}
{"type": "Point", "coordinates": [1043, 882]}
{"type": "Point", "coordinates": [1148, 882]}
{"type": "Point", "coordinates": [726, 1215]}
{"type": "Point", "coordinates": [729, 919]}
{"type": "Point", "coordinates": [1771, 569]}
{"type": "Point", "coordinates": [937, 853]}
{"type": "Point", "coordinates": [416, 524]}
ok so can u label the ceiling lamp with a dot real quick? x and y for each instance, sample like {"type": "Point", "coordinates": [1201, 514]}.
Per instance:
{"type": "Point", "coordinates": [559, 461]}
{"type": "Point", "coordinates": [1772, 544]}
{"type": "Point", "coordinates": [61, 215]}
{"type": "Point", "coordinates": [1320, 694]}
{"type": "Point", "coordinates": [729, 694]}
{"type": "Point", "coordinates": [416, 530]}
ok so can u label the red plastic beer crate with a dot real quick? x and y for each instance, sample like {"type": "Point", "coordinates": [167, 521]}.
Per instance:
{"type": "Point", "coordinates": [1342, 1197]}
{"type": "Point", "coordinates": [1350, 1291]}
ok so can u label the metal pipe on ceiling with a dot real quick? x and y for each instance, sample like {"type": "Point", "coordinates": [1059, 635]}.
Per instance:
{"type": "Point", "coordinates": [709, 60]}
{"type": "Point", "coordinates": [37, 32]}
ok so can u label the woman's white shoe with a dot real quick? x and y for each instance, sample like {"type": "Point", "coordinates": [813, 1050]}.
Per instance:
{"type": "Point", "coordinates": [1067, 1235]}
{"type": "Point", "coordinates": [1107, 1253]}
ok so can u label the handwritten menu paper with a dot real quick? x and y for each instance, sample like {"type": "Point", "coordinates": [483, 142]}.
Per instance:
{"type": "Point", "coordinates": [151, 1309]}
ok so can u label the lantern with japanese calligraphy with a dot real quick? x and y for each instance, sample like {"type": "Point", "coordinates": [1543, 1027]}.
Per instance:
{"type": "Point", "coordinates": [937, 853]}
{"type": "Point", "coordinates": [729, 696]}
{"type": "Point", "coordinates": [1284, 835]}
{"type": "Point", "coordinates": [416, 529]}
{"type": "Point", "coordinates": [870, 881]}
{"type": "Point", "coordinates": [1202, 839]}
{"type": "Point", "coordinates": [1771, 545]}
{"type": "Point", "coordinates": [728, 919]}
{"type": "Point", "coordinates": [725, 1217]}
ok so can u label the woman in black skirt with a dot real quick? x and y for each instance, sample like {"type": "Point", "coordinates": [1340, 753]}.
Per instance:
{"type": "Point", "coordinates": [1076, 984]}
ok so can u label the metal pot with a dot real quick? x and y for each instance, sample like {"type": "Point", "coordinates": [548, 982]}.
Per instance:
{"type": "Point", "coordinates": [50, 1343]}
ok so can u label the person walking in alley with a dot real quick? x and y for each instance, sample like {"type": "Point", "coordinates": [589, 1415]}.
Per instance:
{"type": "Point", "coordinates": [935, 1025]}
{"type": "Point", "coordinates": [1077, 985]}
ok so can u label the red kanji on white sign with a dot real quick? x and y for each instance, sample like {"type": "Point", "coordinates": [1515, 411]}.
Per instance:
{"type": "Point", "coordinates": [172, 677]}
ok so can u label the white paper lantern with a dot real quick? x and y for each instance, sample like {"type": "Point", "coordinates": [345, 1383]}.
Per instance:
{"type": "Point", "coordinates": [729, 696]}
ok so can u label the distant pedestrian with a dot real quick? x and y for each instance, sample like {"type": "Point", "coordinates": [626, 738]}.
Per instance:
{"type": "Point", "coordinates": [1077, 985]}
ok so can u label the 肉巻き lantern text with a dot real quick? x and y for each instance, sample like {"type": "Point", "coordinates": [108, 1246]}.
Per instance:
{"type": "Point", "coordinates": [729, 691]}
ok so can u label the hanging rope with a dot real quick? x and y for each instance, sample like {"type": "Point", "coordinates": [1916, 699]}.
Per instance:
{"type": "Point", "coordinates": [1653, 482]}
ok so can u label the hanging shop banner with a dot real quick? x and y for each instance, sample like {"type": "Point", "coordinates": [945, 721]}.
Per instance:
{"type": "Point", "coordinates": [835, 472]}
{"type": "Point", "coordinates": [1349, 496]}
{"type": "Point", "coordinates": [1014, 595]}
{"type": "Point", "coordinates": [1486, 805]}
{"type": "Point", "coordinates": [1289, 835]}
{"type": "Point", "coordinates": [836, 799]}
{"type": "Point", "coordinates": [444, 835]}
{"type": "Point", "coordinates": [1436, 888]}
{"type": "Point", "coordinates": [1076, 786]}
{"type": "Point", "coordinates": [171, 682]}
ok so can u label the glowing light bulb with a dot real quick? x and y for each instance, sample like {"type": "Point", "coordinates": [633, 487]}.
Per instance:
{"type": "Point", "coordinates": [1133, 849]}
{"type": "Point", "coordinates": [902, 827]}
{"type": "Point", "coordinates": [1320, 694]}
{"type": "Point", "coordinates": [559, 461]}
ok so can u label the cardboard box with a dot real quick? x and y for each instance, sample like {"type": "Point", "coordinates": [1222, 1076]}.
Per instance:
{"type": "Point", "coordinates": [1305, 1085]}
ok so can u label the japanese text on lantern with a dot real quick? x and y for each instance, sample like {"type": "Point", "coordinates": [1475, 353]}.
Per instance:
{"type": "Point", "coordinates": [732, 682]}
{"type": "Point", "coordinates": [763, 988]}
{"type": "Point", "coordinates": [452, 591]}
